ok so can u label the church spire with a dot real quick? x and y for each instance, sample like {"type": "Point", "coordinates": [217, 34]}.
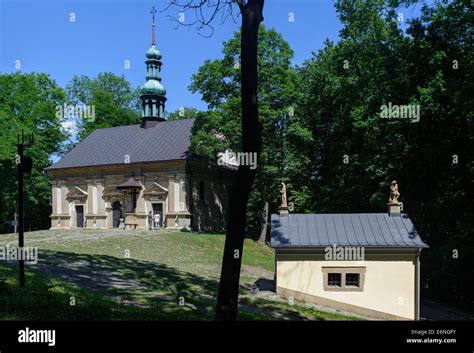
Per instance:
{"type": "Point", "coordinates": [152, 93]}
{"type": "Point", "coordinates": [153, 11]}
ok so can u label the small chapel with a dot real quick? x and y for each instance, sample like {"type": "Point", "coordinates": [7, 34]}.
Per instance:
{"type": "Point", "coordinates": [117, 177]}
{"type": "Point", "coordinates": [363, 263]}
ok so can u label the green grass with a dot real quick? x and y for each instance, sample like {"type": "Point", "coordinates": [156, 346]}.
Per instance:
{"type": "Point", "coordinates": [163, 269]}
{"type": "Point", "coordinates": [197, 253]}
{"type": "Point", "coordinates": [47, 298]}
{"type": "Point", "coordinates": [256, 254]}
{"type": "Point", "coordinates": [305, 311]}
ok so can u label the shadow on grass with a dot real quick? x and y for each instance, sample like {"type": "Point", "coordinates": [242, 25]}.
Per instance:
{"type": "Point", "coordinates": [47, 298]}
{"type": "Point", "coordinates": [133, 282]}
{"type": "Point", "coordinates": [141, 289]}
{"type": "Point", "coordinates": [264, 284]}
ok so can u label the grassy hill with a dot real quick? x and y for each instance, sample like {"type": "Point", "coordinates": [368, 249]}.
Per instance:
{"type": "Point", "coordinates": [150, 275]}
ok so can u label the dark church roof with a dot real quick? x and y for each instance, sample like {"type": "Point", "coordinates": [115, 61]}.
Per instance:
{"type": "Point", "coordinates": [168, 140]}
{"type": "Point", "coordinates": [362, 229]}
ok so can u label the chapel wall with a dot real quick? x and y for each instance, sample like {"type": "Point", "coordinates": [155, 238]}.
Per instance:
{"type": "Point", "coordinates": [388, 286]}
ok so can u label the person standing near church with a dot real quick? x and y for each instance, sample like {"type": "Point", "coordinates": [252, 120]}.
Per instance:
{"type": "Point", "coordinates": [150, 220]}
{"type": "Point", "coordinates": [157, 220]}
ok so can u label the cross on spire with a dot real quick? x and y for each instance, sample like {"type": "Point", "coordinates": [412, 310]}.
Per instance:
{"type": "Point", "coordinates": [153, 11]}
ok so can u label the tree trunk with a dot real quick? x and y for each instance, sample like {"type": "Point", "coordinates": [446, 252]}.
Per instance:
{"type": "Point", "coordinates": [227, 298]}
{"type": "Point", "coordinates": [263, 232]}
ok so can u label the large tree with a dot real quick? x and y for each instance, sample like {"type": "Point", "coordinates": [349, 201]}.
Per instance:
{"type": "Point", "coordinates": [218, 81]}
{"type": "Point", "coordinates": [357, 153]}
{"type": "Point", "coordinates": [115, 102]}
{"type": "Point", "coordinates": [28, 102]}
{"type": "Point", "coordinates": [228, 295]}
{"type": "Point", "coordinates": [441, 164]}
{"type": "Point", "coordinates": [251, 12]}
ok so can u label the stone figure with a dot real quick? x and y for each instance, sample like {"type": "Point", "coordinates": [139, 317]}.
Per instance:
{"type": "Point", "coordinates": [283, 195]}
{"type": "Point", "coordinates": [394, 194]}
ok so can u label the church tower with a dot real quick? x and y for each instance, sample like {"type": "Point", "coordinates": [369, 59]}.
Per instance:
{"type": "Point", "coordinates": [152, 93]}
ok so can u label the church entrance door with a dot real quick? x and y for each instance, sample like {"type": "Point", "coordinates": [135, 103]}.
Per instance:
{"type": "Point", "coordinates": [80, 216]}
{"type": "Point", "coordinates": [158, 209]}
{"type": "Point", "coordinates": [116, 214]}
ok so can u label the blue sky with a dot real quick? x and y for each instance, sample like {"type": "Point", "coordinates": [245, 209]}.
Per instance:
{"type": "Point", "coordinates": [105, 33]}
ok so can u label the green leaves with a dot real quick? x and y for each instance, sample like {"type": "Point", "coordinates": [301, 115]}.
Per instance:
{"type": "Point", "coordinates": [112, 97]}
{"type": "Point", "coordinates": [28, 101]}
{"type": "Point", "coordinates": [219, 129]}
{"type": "Point", "coordinates": [343, 88]}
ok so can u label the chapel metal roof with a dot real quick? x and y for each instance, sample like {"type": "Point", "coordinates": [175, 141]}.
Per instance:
{"type": "Point", "coordinates": [167, 140]}
{"type": "Point", "coordinates": [360, 229]}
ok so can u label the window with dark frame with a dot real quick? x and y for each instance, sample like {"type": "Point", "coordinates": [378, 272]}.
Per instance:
{"type": "Point", "coordinates": [342, 278]}
{"type": "Point", "coordinates": [334, 279]}
{"type": "Point", "coordinates": [352, 279]}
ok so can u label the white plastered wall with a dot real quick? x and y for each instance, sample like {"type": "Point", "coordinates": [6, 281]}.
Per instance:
{"type": "Point", "coordinates": [389, 285]}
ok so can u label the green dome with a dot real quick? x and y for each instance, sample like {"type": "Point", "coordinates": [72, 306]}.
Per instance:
{"type": "Point", "coordinates": [153, 87]}
{"type": "Point", "coordinates": [153, 53]}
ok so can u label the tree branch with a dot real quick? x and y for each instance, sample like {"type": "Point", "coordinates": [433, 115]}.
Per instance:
{"type": "Point", "coordinates": [205, 12]}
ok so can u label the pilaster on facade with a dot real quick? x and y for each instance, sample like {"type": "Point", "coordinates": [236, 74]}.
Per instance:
{"type": "Point", "coordinates": [63, 207]}
{"type": "Point", "coordinates": [171, 193]}
{"type": "Point", "coordinates": [94, 195]}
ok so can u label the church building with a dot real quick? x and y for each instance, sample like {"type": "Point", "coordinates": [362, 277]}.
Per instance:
{"type": "Point", "coordinates": [116, 176]}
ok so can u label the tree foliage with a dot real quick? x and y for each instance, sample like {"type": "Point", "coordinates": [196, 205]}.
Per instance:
{"type": "Point", "coordinates": [183, 113]}
{"type": "Point", "coordinates": [324, 135]}
{"type": "Point", "coordinates": [219, 129]}
{"type": "Point", "coordinates": [357, 153]}
{"type": "Point", "coordinates": [321, 123]}
{"type": "Point", "coordinates": [28, 102]}
{"type": "Point", "coordinates": [115, 102]}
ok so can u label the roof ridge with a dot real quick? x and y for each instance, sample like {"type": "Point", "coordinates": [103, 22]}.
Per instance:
{"type": "Point", "coordinates": [323, 230]}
